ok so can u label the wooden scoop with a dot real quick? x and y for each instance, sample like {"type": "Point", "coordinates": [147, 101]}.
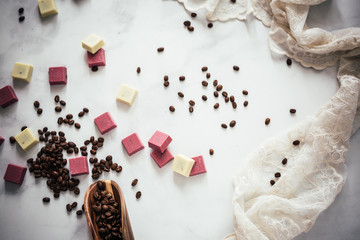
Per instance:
{"type": "Point", "coordinates": [115, 190]}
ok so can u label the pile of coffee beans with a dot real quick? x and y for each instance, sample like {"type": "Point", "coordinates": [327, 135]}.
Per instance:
{"type": "Point", "coordinates": [107, 213]}
{"type": "Point", "coordinates": [104, 165]}
{"type": "Point", "coordinates": [96, 144]}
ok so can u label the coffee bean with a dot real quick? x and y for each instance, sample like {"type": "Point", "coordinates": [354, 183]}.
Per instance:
{"type": "Point", "coordinates": [65, 120]}
{"type": "Point", "coordinates": [62, 102]}
{"type": "Point", "coordinates": [68, 207]}
{"type": "Point", "coordinates": [223, 125]}
{"type": "Point", "coordinates": [40, 132]}
{"type": "Point", "coordinates": [272, 182]}
{"type": "Point", "coordinates": [46, 199]}
{"type": "Point", "coordinates": [12, 140]}
{"type": "Point", "coordinates": [84, 153]}
{"type": "Point", "coordinates": [118, 169]}
{"type": "Point", "coordinates": [71, 144]}
{"type": "Point", "coordinates": [236, 68]}
{"type": "Point", "coordinates": [23, 128]}
{"type": "Point", "coordinates": [216, 94]}
{"type": "Point", "coordinates": [233, 1]}
{"type": "Point", "coordinates": [100, 140]}
{"type": "Point", "coordinates": [160, 49]}
{"type": "Point", "coordinates": [245, 92]}
{"type": "Point", "coordinates": [30, 160]}
{"type": "Point", "coordinates": [83, 208]}
{"type": "Point", "coordinates": [204, 97]}
{"type": "Point", "coordinates": [215, 83]}
{"type": "Point", "coordinates": [232, 123]}
{"type": "Point", "coordinates": [134, 182]}
{"type": "Point", "coordinates": [190, 28]}
{"type": "Point", "coordinates": [114, 166]}
{"type": "Point", "coordinates": [81, 114]}
{"type": "Point", "coordinates": [109, 158]}
{"type": "Point", "coordinates": [211, 151]}
{"type": "Point", "coordinates": [57, 109]}
{"type": "Point", "coordinates": [166, 84]}
{"type": "Point", "coordinates": [95, 175]}
{"type": "Point", "coordinates": [79, 212]}
{"type": "Point", "coordinates": [166, 78]}
{"type": "Point", "coordinates": [224, 94]}
{"type": "Point", "coordinates": [193, 15]}
{"type": "Point", "coordinates": [138, 70]}
{"type": "Point", "coordinates": [192, 102]}
{"type": "Point", "coordinates": [246, 103]}
{"type": "Point", "coordinates": [288, 61]}
{"type": "Point", "coordinates": [94, 68]}
{"type": "Point", "coordinates": [296, 142]}
{"type": "Point", "coordinates": [71, 122]}
{"type": "Point", "coordinates": [204, 83]}
{"type": "Point", "coordinates": [216, 105]}
{"type": "Point", "coordinates": [86, 142]}
{"type": "Point", "coordinates": [77, 125]}
{"type": "Point", "coordinates": [204, 69]}
{"type": "Point", "coordinates": [277, 175]}
{"type": "Point", "coordinates": [39, 111]}
{"type": "Point", "coordinates": [208, 75]}
{"type": "Point", "coordinates": [138, 195]}
{"type": "Point", "coordinates": [187, 23]}
{"type": "Point", "coordinates": [172, 109]}
{"type": "Point", "coordinates": [267, 121]}
{"type": "Point", "coordinates": [60, 120]}
{"type": "Point", "coordinates": [180, 94]}
{"type": "Point", "coordinates": [284, 161]}
{"type": "Point", "coordinates": [292, 110]}
{"type": "Point", "coordinates": [77, 190]}
{"type": "Point", "coordinates": [234, 105]}
{"type": "Point", "coordinates": [86, 110]}
{"type": "Point", "coordinates": [57, 98]}
{"type": "Point", "coordinates": [191, 109]}
{"type": "Point", "coordinates": [21, 10]}
{"type": "Point", "coordinates": [36, 104]}
{"type": "Point", "coordinates": [69, 116]}
{"type": "Point", "coordinates": [182, 78]}
{"type": "Point", "coordinates": [56, 195]}
{"type": "Point", "coordinates": [21, 19]}
{"type": "Point", "coordinates": [219, 87]}
{"type": "Point", "coordinates": [210, 25]}
{"type": "Point", "coordinates": [93, 152]}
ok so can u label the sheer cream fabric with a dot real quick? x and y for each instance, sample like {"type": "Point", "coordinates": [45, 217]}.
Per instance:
{"type": "Point", "coordinates": [315, 171]}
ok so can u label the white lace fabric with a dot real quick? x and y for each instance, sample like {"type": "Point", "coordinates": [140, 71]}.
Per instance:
{"type": "Point", "coordinates": [315, 171]}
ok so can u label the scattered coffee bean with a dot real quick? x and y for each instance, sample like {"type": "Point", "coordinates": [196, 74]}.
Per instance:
{"type": "Point", "coordinates": [68, 207]}
{"type": "Point", "coordinates": [166, 78]}
{"type": "Point", "coordinates": [236, 68]}
{"type": "Point", "coordinates": [166, 84]}
{"type": "Point", "coordinates": [30, 160]}
{"type": "Point", "coordinates": [134, 182]}
{"type": "Point", "coordinates": [227, 99]}
{"type": "Point", "coordinates": [39, 111]}
{"type": "Point", "coordinates": [69, 116]}
{"type": "Point", "coordinates": [77, 190]}
{"type": "Point", "coordinates": [272, 182]}
{"type": "Point", "coordinates": [223, 125]}
{"type": "Point", "coordinates": [74, 205]}
{"type": "Point", "coordinates": [71, 122]}
{"type": "Point", "coordinates": [160, 49]}
{"type": "Point", "coordinates": [216, 105]}
{"type": "Point", "coordinates": [245, 92]}
{"type": "Point", "coordinates": [84, 153]}
{"type": "Point", "coordinates": [246, 103]}
{"type": "Point", "coordinates": [46, 199]}
{"type": "Point", "coordinates": [23, 128]}
{"type": "Point", "coordinates": [58, 109]}
{"type": "Point", "coordinates": [81, 114]}
{"type": "Point", "coordinates": [79, 212]}
{"type": "Point", "coordinates": [267, 121]}
{"type": "Point", "coordinates": [36, 104]}
{"type": "Point", "coordinates": [284, 161]}
{"type": "Point", "coordinates": [21, 19]}
{"type": "Point", "coordinates": [215, 83]}
{"type": "Point", "coordinates": [180, 94]}
{"type": "Point", "coordinates": [219, 87]}
{"type": "Point", "coordinates": [192, 102]}
{"type": "Point", "coordinates": [187, 23]}
{"type": "Point", "coordinates": [204, 69]}
{"type": "Point", "coordinates": [204, 97]}
{"type": "Point", "coordinates": [109, 158]}
{"type": "Point", "coordinates": [12, 140]}
{"type": "Point", "coordinates": [210, 25]}
{"type": "Point", "coordinates": [234, 105]}
{"type": "Point", "coordinates": [211, 151]}
{"type": "Point", "coordinates": [118, 169]}
{"type": "Point", "coordinates": [62, 102]}
{"type": "Point", "coordinates": [288, 61]}
{"type": "Point", "coordinates": [138, 70]}
{"type": "Point", "coordinates": [204, 83]}
{"type": "Point", "coordinates": [21, 10]}
{"type": "Point", "coordinates": [232, 123]}
{"type": "Point", "coordinates": [296, 142]}
{"type": "Point", "coordinates": [93, 152]}
{"type": "Point", "coordinates": [190, 28]}
{"type": "Point", "coordinates": [56, 195]}
{"type": "Point", "coordinates": [224, 94]}
{"type": "Point", "coordinates": [233, 1]}
{"type": "Point", "coordinates": [292, 110]}
{"type": "Point", "coordinates": [216, 94]}
{"type": "Point", "coordinates": [86, 110]}
{"type": "Point", "coordinates": [77, 125]}
{"type": "Point", "coordinates": [94, 68]}
{"type": "Point", "coordinates": [45, 129]}
{"type": "Point", "coordinates": [182, 78]}
{"type": "Point", "coordinates": [172, 109]}
{"type": "Point", "coordinates": [208, 75]}
{"type": "Point", "coordinates": [193, 15]}
{"type": "Point", "coordinates": [191, 109]}
{"type": "Point", "coordinates": [277, 175]}
{"type": "Point", "coordinates": [57, 98]}
{"type": "Point", "coordinates": [138, 195]}
{"type": "Point", "coordinates": [60, 120]}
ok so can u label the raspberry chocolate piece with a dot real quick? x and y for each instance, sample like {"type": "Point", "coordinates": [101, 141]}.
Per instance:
{"type": "Point", "coordinates": [78, 166]}
{"type": "Point", "coordinates": [105, 123]}
{"type": "Point", "coordinates": [132, 144]}
{"type": "Point", "coordinates": [159, 141]}
{"type": "Point", "coordinates": [199, 166]}
{"type": "Point", "coordinates": [15, 173]}
{"type": "Point", "coordinates": [57, 75]}
{"type": "Point", "coordinates": [161, 159]}
{"type": "Point", "coordinates": [96, 59]}
{"type": "Point", "coordinates": [7, 96]}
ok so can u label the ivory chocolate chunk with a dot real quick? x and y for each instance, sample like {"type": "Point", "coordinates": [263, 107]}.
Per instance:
{"type": "Point", "coordinates": [15, 173]}
{"type": "Point", "coordinates": [1, 140]}
{"type": "Point", "coordinates": [78, 166]}
{"type": "Point", "coordinates": [132, 144]}
{"type": "Point", "coordinates": [159, 141]}
{"type": "Point", "coordinates": [183, 165]}
{"type": "Point", "coordinates": [47, 7]}
{"type": "Point", "coordinates": [57, 75]}
{"type": "Point", "coordinates": [199, 166]}
{"type": "Point", "coordinates": [96, 59]}
{"type": "Point", "coordinates": [105, 123]}
{"type": "Point", "coordinates": [126, 94]}
{"type": "Point", "coordinates": [26, 139]}
{"type": "Point", "coordinates": [93, 43]}
{"type": "Point", "coordinates": [7, 96]}
{"type": "Point", "coordinates": [22, 72]}
{"type": "Point", "coordinates": [161, 159]}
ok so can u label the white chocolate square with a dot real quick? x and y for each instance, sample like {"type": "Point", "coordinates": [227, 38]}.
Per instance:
{"type": "Point", "coordinates": [26, 139]}
{"type": "Point", "coordinates": [22, 72]}
{"type": "Point", "coordinates": [126, 94]}
{"type": "Point", "coordinates": [93, 43]}
{"type": "Point", "coordinates": [183, 165]}
{"type": "Point", "coordinates": [47, 7]}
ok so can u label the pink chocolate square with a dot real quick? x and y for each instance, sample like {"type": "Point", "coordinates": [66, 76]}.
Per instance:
{"type": "Point", "coordinates": [57, 75]}
{"type": "Point", "coordinates": [132, 144]}
{"type": "Point", "coordinates": [161, 158]}
{"type": "Point", "coordinates": [1, 140]}
{"type": "Point", "coordinates": [7, 96]}
{"type": "Point", "coordinates": [97, 59]}
{"type": "Point", "coordinates": [15, 173]}
{"type": "Point", "coordinates": [78, 166]}
{"type": "Point", "coordinates": [159, 141]}
{"type": "Point", "coordinates": [105, 123]}
{"type": "Point", "coordinates": [198, 167]}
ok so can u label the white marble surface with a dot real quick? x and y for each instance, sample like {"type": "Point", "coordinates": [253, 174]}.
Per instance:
{"type": "Point", "coordinates": [172, 206]}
